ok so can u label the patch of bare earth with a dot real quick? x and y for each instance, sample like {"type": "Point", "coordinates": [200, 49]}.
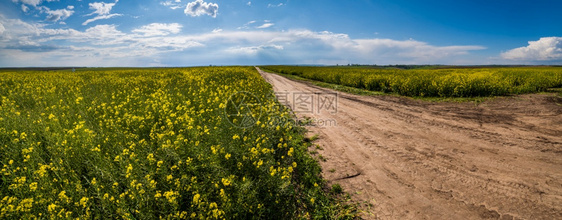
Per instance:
{"type": "Point", "coordinates": [411, 159]}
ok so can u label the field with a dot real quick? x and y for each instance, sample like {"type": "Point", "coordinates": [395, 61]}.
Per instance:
{"type": "Point", "coordinates": [450, 82]}
{"type": "Point", "coordinates": [153, 143]}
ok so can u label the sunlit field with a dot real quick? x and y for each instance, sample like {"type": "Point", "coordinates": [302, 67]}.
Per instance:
{"type": "Point", "coordinates": [152, 143]}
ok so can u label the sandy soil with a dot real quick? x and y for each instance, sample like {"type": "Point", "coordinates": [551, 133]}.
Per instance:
{"type": "Point", "coordinates": [410, 159]}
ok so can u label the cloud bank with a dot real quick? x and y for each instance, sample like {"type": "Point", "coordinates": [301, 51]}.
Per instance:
{"type": "Point", "coordinates": [544, 49]}
{"type": "Point", "coordinates": [107, 45]}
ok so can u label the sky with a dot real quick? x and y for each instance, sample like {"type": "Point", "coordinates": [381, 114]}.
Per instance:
{"type": "Point", "coordinates": [134, 33]}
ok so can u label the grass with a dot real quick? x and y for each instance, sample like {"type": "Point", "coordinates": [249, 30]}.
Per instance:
{"type": "Point", "coordinates": [555, 90]}
{"type": "Point", "coordinates": [337, 189]}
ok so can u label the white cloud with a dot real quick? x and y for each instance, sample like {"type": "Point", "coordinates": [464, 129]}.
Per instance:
{"type": "Point", "coordinates": [56, 15]}
{"type": "Point", "coordinates": [29, 2]}
{"type": "Point", "coordinates": [33, 3]}
{"type": "Point", "coordinates": [253, 50]}
{"type": "Point", "coordinates": [217, 30]}
{"type": "Point", "coordinates": [172, 4]}
{"type": "Point", "coordinates": [249, 23]}
{"type": "Point", "coordinates": [249, 4]}
{"type": "Point", "coordinates": [166, 3]}
{"type": "Point", "coordinates": [106, 45]}
{"type": "Point", "coordinates": [70, 7]}
{"type": "Point", "coordinates": [420, 51]}
{"type": "Point", "coordinates": [100, 17]}
{"type": "Point", "coordinates": [102, 10]}
{"type": "Point", "coordinates": [199, 7]}
{"type": "Point", "coordinates": [266, 25]}
{"type": "Point", "coordinates": [156, 29]}
{"type": "Point", "coordinates": [544, 49]}
{"type": "Point", "coordinates": [274, 6]}
{"type": "Point", "coordinates": [105, 32]}
{"type": "Point", "coordinates": [100, 45]}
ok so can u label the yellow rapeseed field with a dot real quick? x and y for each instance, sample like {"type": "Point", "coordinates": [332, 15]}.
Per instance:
{"type": "Point", "coordinates": [446, 82]}
{"type": "Point", "coordinates": [149, 144]}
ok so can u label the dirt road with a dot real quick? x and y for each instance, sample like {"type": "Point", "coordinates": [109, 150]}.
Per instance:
{"type": "Point", "coordinates": [411, 159]}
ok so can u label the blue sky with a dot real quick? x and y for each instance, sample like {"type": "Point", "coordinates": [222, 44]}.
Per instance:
{"type": "Point", "coordinates": [243, 32]}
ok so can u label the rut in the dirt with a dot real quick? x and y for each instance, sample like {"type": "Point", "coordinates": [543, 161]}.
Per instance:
{"type": "Point", "coordinates": [417, 160]}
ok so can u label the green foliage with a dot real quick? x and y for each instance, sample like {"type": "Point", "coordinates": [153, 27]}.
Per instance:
{"type": "Point", "coordinates": [475, 82]}
{"type": "Point", "coordinates": [337, 189]}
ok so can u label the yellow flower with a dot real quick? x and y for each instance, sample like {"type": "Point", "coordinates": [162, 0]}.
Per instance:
{"type": "Point", "coordinates": [222, 193]}
{"type": "Point", "coordinates": [291, 151]}
{"type": "Point", "coordinates": [63, 197]}
{"type": "Point", "coordinates": [150, 157]}
{"type": "Point", "coordinates": [196, 198]}
{"type": "Point", "coordinates": [129, 170]}
{"type": "Point", "coordinates": [25, 205]}
{"type": "Point", "coordinates": [84, 201]}
{"type": "Point", "coordinates": [225, 182]}
{"type": "Point", "coordinates": [51, 207]}
{"type": "Point", "coordinates": [33, 186]}
{"type": "Point", "coordinates": [170, 196]}
{"type": "Point", "coordinates": [21, 180]}
{"type": "Point", "coordinates": [213, 205]}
